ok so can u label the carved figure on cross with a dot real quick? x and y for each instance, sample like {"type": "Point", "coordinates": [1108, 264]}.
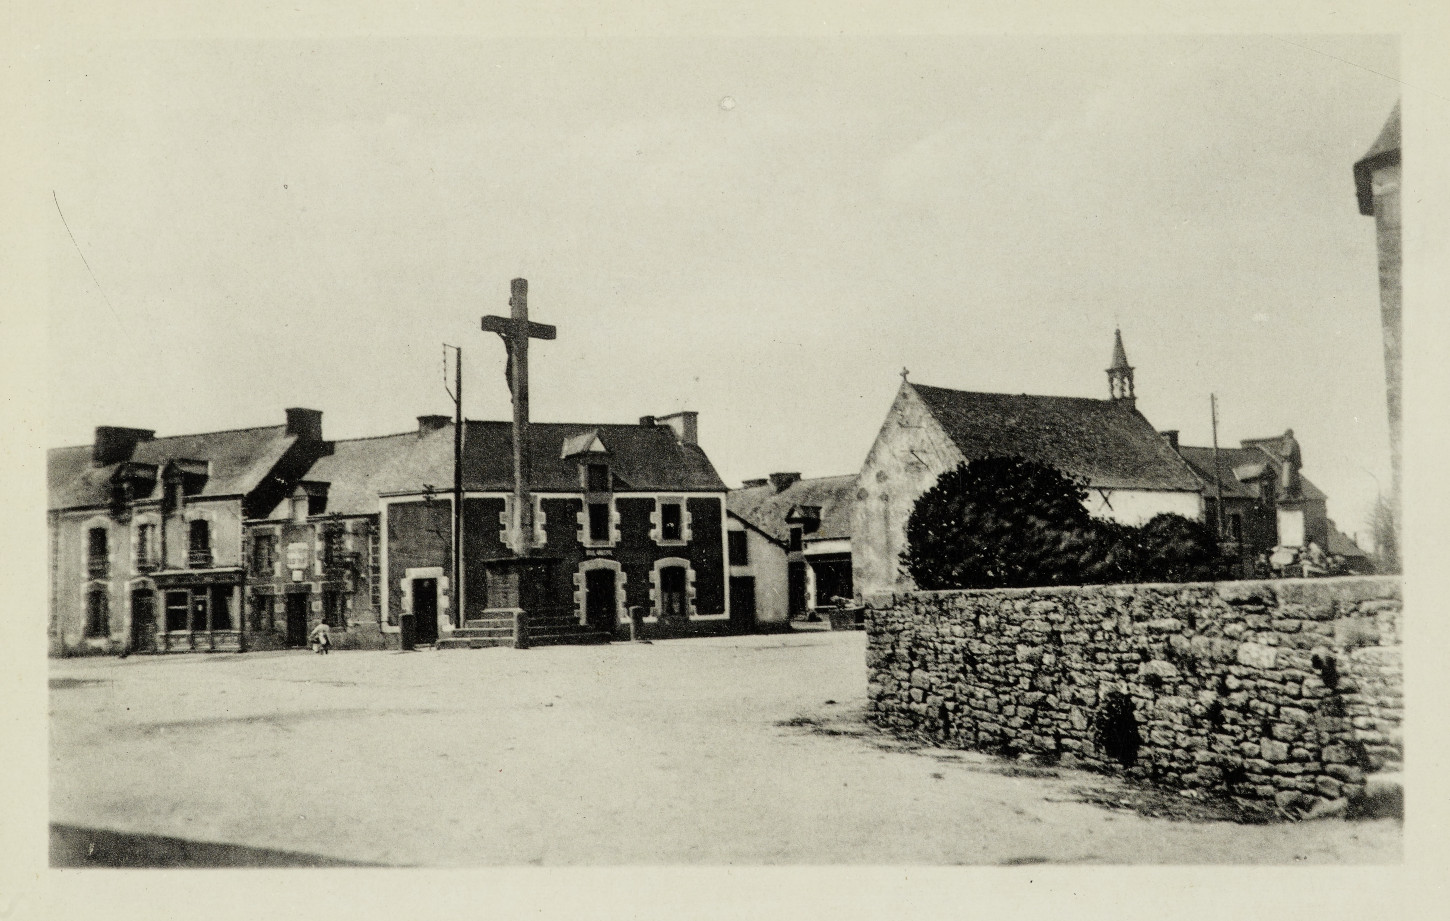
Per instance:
{"type": "Point", "coordinates": [516, 330]}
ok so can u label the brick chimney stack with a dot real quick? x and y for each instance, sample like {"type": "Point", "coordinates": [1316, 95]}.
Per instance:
{"type": "Point", "coordinates": [115, 444]}
{"type": "Point", "coordinates": [780, 482]}
{"type": "Point", "coordinates": [305, 423]}
{"type": "Point", "coordinates": [686, 426]}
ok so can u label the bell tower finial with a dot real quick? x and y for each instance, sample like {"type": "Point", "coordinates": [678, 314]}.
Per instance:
{"type": "Point", "coordinates": [1120, 373]}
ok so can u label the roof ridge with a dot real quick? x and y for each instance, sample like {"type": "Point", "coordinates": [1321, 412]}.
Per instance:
{"type": "Point", "coordinates": [154, 439]}
{"type": "Point", "coordinates": [998, 393]}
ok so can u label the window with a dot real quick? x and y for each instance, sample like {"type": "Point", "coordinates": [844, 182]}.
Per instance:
{"type": "Point", "coordinates": [332, 547]}
{"type": "Point", "coordinates": [374, 565]}
{"type": "Point", "coordinates": [98, 564]}
{"type": "Point", "coordinates": [178, 607]}
{"type": "Point", "coordinates": [795, 540]}
{"type": "Point", "coordinates": [264, 554]}
{"type": "Point", "coordinates": [334, 613]}
{"type": "Point", "coordinates": [599, 522]}
{"type": "Point", "coordinates": [739, 552]}
{"type": "Point", "coordinates": [146, 547]}
{"type": "Point", "coordinates": [596, 478]}
{"type": "Point", "coordinates": [98, 614]}
{"type": "Point", "coordinates": [671, 521]}
{"type": "Point", "coordinates": [199, 543]}
{"type": "Point", "coordinates": [1236, 528]}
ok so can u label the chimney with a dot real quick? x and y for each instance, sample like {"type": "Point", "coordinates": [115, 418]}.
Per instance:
{"type": "Point", "coordinates": [428, 424]}
{"type": "Point", "coordinates": [750, 484]}
{"type": "Point", "coordinates": [115, 444]}
{"type": "Point", "coordinates": [780, 482]}
{"type": "Point", "coordinates": [305, 423]}
{"type": "Point", "coordinates": [685, 424]}
{"type": "Point", "coordinates": [646, 420]}
{"type": "Point", "coordinates": [1171, 436]}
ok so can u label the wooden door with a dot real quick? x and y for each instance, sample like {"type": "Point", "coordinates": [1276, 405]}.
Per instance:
{"type": "Point", "coordinates": [425, 610]}
{"type": "Point", "coordinates": [796, 589]}
{"type": "Point", "coordinates": [143, 620]}
{"type": "Point", "coordinates": [599, 600]}
{"type": "Point", "coordinates": [297, 620]}
{"type": "Point", "coordinates": [742, 602]}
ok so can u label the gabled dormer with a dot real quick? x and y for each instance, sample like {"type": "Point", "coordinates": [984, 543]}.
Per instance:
{"type": "Point", "coordinates": [182, 477]}
{"type": "Point", "coordinates": [308, 499]}
{"type": "Point", "coordinates": [596, 475]}
{"type": "Point", "coordinates": [130, 482]}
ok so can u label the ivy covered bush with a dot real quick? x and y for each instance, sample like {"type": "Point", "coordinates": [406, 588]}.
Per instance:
{"type": "Point", "coordinates": [1002, 522]}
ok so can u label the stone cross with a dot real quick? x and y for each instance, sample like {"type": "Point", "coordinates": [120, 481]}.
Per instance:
{"type": "Point", "coordinates": [516, 330]}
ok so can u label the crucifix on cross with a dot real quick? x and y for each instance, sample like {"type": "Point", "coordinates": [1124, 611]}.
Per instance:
{"type": "Point", "coordinates": [516, 330]}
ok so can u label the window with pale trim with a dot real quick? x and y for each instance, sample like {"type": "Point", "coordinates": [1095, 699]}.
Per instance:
{"type": "Point", "coordinates": [98, 614]}
{"type": "Point", "coordinates": [98, 563]}
{"type": "Point", "coordinates": [599, 522]}
{"type": "Point", "coordinates": [672, 521]}
{"type": "Point", "coordinates": [199, 543]}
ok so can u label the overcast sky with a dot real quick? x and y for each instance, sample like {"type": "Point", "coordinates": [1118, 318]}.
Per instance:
{"type": "Point", "coordinates": [763, 230]}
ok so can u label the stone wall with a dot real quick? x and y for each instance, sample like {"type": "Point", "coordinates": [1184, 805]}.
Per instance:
{"type": "Point", "coordinates": [1275, 694]}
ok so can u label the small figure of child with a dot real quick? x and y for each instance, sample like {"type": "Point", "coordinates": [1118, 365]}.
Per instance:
{"type": "Point", "coordinates": [321, 638]}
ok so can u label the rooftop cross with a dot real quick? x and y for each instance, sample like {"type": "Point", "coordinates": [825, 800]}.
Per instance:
{"type": "Point", "coordinates": [516, 330]}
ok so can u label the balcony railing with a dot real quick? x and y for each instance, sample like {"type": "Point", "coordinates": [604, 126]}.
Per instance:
{"type": "Point", "coordinates": [199, 559]}
{"type": "Point", "coordinates": [147, 564]}
{"type": "Point", "coordinates": [98, 567]}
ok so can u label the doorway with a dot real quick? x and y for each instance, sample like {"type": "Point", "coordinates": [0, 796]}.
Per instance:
{"type": "Point", "coordinates": [296, 620]}
{"type": "Point", "coordinates": [742, 601]}
{"type": "Point", "coordinates": [795, 574]}
{"type": "Point", "coordinates": [672, 592]}
{"type": "Point", "coordinates": [600, 603]}
{"type": "Point", "coordinates": [425, 610]}
{"type": "Point", "coordinates": [143, 620]}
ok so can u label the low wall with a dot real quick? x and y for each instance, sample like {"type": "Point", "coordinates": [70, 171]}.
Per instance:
{"type": "Point", "coordinates": [1270, 693]}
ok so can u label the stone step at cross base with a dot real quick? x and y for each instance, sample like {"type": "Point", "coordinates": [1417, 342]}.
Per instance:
{"type": "Point", "coordinates": [545, 628]}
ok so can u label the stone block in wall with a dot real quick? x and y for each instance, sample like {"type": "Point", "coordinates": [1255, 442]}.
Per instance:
{"type": "Point", "coordinates": [1257, 655]}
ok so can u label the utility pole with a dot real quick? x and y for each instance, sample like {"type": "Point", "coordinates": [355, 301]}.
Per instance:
{"type": "Point", "coordinates": [1217, 480]}
{"type": "Point", "coordinates": [457, 394]}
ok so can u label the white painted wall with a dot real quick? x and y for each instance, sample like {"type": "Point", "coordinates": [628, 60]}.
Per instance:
{"type": "Point", "coordinates": [767, 565]}
{"type": "Point", "coordinates": [1136, 506]}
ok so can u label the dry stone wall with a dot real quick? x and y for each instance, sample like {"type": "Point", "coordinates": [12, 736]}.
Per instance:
{"type": "Point", "coordinates": [1275, 694]}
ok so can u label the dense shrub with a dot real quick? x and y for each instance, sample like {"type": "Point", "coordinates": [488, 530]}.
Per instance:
{"type": "Point", "coordinates": [1001, 522]}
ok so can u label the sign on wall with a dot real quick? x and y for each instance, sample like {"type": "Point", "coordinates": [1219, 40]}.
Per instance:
{"type": "Point", "coordinates": [297, 555]}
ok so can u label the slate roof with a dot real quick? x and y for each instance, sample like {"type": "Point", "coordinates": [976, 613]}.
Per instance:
{"type": "Point", "coordinates": [238, 460]}
{"type": "Point", "coordinates": [1385, 150]}
{"type": "Point", "coordinates": [641, 457]}
{"type": "Point", "coordinates": [766, 509]}
{"type": "Point", "coordinates": [355, 472]}
{"type": "Point", "coordinates": [1342, 544]}
{"type": "Point", "coordinates": [1109, 444]}
{"type": "Point", "coordinates": [1229, 459]}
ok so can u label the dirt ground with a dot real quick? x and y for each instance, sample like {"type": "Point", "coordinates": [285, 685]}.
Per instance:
{"type": "Point", "coordinates": [740, 750]}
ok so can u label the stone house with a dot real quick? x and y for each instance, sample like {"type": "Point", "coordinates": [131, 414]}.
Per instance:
{"type": "Point", "coordinates": [146, 533]}
{"type": "Point", "coordinates": [795, 540]}
{"type": "Point", "coordinates": [1132, 472]}
{"type": "Point", "coordinates": [316, 555]}
{"type": "Point", "coordinates": [628, 514]}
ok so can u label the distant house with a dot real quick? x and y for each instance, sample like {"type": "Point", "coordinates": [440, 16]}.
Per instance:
{"type": "Point", "coordinates": [146, 533]}
{"type": "Point", "coordinates": [630, 515]}
{"type": "Point", "coordinates": [1132, 472]}
{"type": "Point", "coordinates": [1264, 505]}
{"type": "Point", "coordinates": [316, 555]}
{"type": "Point", "coordinates": [791, 544]}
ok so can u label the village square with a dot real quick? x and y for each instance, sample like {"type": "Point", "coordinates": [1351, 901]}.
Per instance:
{"type": "Point", "coordinates": [1097, 624]}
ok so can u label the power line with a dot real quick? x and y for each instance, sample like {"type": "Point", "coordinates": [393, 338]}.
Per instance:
{"type": "Point", "coordinates": [82, 254]}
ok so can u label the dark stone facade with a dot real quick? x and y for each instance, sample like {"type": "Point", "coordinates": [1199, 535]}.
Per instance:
{"type": "Point", "coordinates": [1275, 694]}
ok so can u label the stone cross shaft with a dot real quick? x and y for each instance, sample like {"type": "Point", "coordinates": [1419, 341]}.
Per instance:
{"type": "Point", "coordinates": [516, 330]}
